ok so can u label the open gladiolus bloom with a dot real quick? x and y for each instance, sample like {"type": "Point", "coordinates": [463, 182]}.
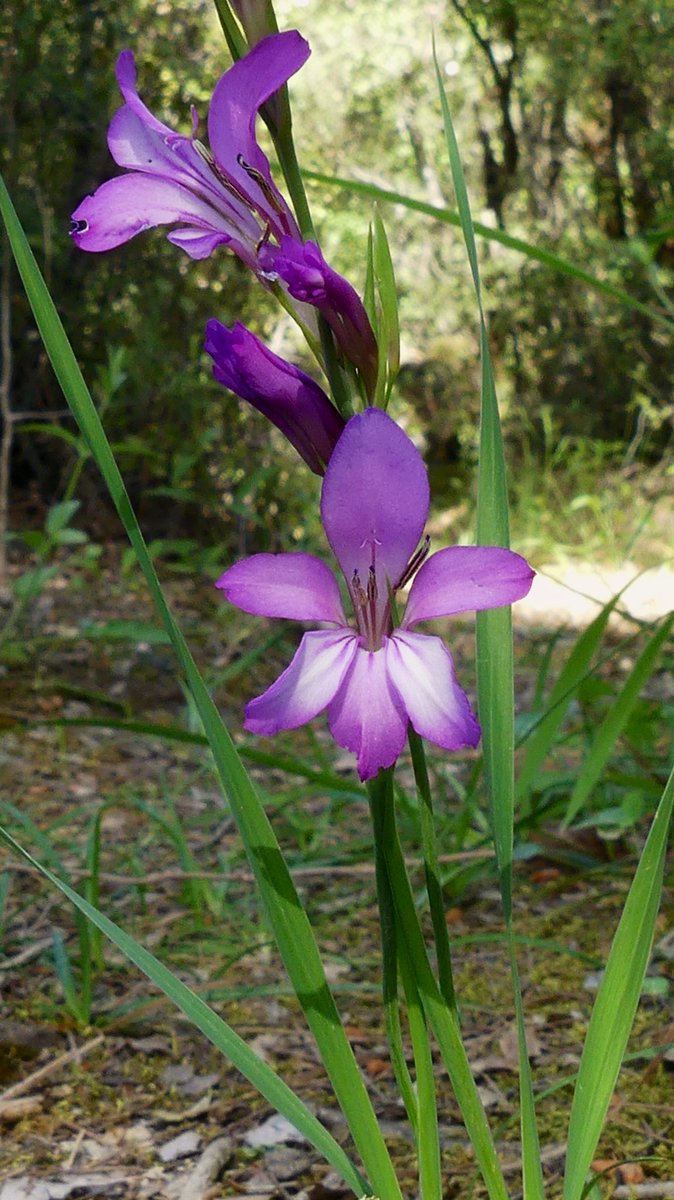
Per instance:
{"type": "Point", "coordinates": [223, 194]}
{"type": "Point", "coordinates": [372, 678]}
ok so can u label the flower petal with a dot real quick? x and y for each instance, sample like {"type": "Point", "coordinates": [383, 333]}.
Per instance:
{"type": "Point", "coordinates": [421, 671]}
{"type": "Point", "coordinates": [231, 121]}
{"type": "Point", "coordinates": [200, 245]}
{"type": "Point", "coordinates": [297, 586]}
{"type": "Point", "coordinates": [466, 579]}
{"type": "Point", "coordinates": [375, 498]}
{"type": "Point", "coordinates": [367, 716]}
{"type": "Point", "coordinates": [125, 206]}
{"type": "Point", "coordinates": [307, 686]}
{"type": "Point", "coordinates": [125, 70]}
{"type": "Point", "coordinates": [284, 394]}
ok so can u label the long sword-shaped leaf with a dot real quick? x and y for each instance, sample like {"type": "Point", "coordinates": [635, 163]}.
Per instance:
{"type": "Point", "coordinates": [255, 1069]}
{"type": "Point", "coordinates": [614, 723]}
{"type": "Point", "coordinates": [616, 1002]}
{"type": "Point", "coordinates": [291, 927]}
{"type": "Point", "coordinates": [495, 656]}
{"type": "Point", "coordinates": [573, 672]}
{"type": "Point", "coordinates": [536, 253]}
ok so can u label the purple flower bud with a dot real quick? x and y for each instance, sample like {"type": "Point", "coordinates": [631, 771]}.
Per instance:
{"type": "Point", "coordinates": [288, 397]}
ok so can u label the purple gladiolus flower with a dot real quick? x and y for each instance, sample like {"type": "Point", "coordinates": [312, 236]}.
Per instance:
{"type": "Point", "coordinates": [284, 394]}
{"type": "Point", "coordinates": [225, 195]}
{"type": "Point", "coordinates": [374, 679]}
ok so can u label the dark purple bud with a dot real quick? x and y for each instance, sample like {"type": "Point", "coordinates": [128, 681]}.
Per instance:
{"type": "Point", "coordinates": [288, 397]}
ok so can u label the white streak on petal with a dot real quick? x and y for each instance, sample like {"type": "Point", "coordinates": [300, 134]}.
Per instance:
{"type": "Point", "coordinates": [307, 686]}
{"type": "Point", "coordinates": [366, 715]}
{"type": "Point", "coordinates": [422, 673]}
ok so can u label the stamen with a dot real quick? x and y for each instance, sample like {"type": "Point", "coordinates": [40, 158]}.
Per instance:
{"type": "Point", "coordinates": [264, 239]}
{"type": "Point", "coordinates": [262, 183]}
{"type": "Point", "coordinates": [208, 158]}
{"type": "Point", "coordinates": [414, 563]}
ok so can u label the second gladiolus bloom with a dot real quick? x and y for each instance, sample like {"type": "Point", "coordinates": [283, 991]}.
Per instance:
{"type": "Point", "coordinates": [372, 678]}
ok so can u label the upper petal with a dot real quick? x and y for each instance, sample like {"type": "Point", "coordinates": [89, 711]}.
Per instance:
{"type": "Point", "coordinates": [125, 71]}
{"type": "Point", "coordinates": [297, 586]}
{"type": "Point", "coordinates": [375, 498]}
{"type": "Point", "coordinates": [307, 686]}
{"type": "Point", "coordinates": [367, 716]}
{"type": "Point", "coordinates": [421, 671]}
{"type": "Point", "coordinates": [466, 579]}
{"type": "Point", "coordinates": [231, 121]}
{"type": "Point", "coordinates": [125, 206]}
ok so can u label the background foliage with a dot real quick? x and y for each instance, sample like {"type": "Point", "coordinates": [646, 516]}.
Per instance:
{"type": "Point", "coordinates": [563, 115]}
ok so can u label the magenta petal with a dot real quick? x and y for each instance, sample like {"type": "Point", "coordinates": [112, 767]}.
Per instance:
{"type": "Point", "coordinates": [467, 579]}
{"type": "Point", "coordinates": [421, 671]}
{"type": "Point", "coordinates": [297, 586]}
{"type": "Point", "coordinates": [307, 686]}
{"type": "Point", "coordinates": [136, 145]}
{"type": "Point", "coordinates": [231, 121]}
{"type": "Point", "coordinates": [367, 716]}
{"type": "Point", "coordinates": [127, 205]}
{"type": "Point", "coordinates": [125, 71]}
{"type": "Point", "coordinates": [200, 245]}
{"type": "Point", "coordinates": [375, 498]}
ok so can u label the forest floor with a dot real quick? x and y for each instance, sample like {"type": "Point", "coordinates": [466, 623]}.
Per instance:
{"type": "Point", "coordinates": [128, 1101]}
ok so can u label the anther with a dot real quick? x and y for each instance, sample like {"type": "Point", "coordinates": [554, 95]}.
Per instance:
{"type": "Point", "coordinates": [359, 593]}
{"type": "Point", "coordinates": [208, 158]}
{"type": "Point", "coordinates": [262, 183]}
{"type": "Point", "coordinates": [414, 563]}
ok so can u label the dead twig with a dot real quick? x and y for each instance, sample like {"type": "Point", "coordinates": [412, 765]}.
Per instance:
{"type": "Point", "coordinates": [23, 956]}
{"type": "Point", "coordinates": [50, 1068]}
{"type": "Point", "coordinates": [214, 1158]}
{"type": "Point", "coordinates": [645, 1191]}
{"type": "Point", "coordinates": [243, 875]}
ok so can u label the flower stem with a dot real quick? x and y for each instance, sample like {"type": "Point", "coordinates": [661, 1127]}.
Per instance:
{"type": "Point", "coordinates": [377, 792]}
{"type": "Point", "coordinates": [441, 1018]}
{"type": "Point", "coordinates": [287, 156]}
{"type": "Point", "coordinates": [433, 885]}
{"type": "Point", "coordinates": [428, 1137]}
{"type": "Point", "coordinates": [422, 1108]}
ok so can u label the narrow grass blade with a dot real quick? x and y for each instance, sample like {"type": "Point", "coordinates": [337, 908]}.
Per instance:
{"type": "Point", "coordinates": [535, 253]}
{"type": "Point", "coordinates": [65, 975]}
{"type": "Point", "coordinates": [495, 655]}
{"type": "Point", "coordinates": [288, 919]}
{"type": "Point", "coordinates": [270, 1085]}
{"type": "Point", "coordinates": [613, 724]}
{"type": "Point", "coordinates": [388, 328]}
{"type": "Point", "coordinates": [616, 1002]}
{"type": "Point", "coordinates": [539, 743]}
{"type": "Point", "coordinates": [390, 950]}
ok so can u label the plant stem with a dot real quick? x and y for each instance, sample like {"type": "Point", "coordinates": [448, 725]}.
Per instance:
{"type": "Point", "coordinates": [422, 1107]}
{"type": "Point", "coordinates": [441, 1018]}
{"type": "Point", "coordinates": [433, 886]}
{"type": "Point", "coordinates": [389, 945]}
